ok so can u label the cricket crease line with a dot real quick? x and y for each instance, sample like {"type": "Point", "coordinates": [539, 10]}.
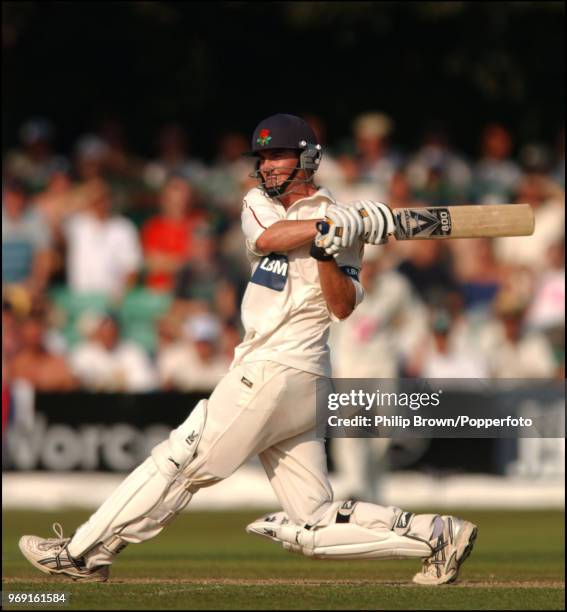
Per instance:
{"type": "Point", "coordinates": [528, 584]}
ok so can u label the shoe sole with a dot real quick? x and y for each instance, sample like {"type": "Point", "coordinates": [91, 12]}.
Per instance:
{"type": "Point", "coordinates": [52, 572]}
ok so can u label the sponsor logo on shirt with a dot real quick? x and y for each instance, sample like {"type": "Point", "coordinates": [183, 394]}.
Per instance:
{"type": "Point", "coordinates": [272, 272]}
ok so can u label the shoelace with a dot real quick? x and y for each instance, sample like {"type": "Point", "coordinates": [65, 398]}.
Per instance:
{"type": "Point", "coordinates": [58, 542]}
{"type": "Point", "coordinates": [432, 564]}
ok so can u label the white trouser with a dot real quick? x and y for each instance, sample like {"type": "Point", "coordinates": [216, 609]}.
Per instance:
{"type": "Point", "coordinates": [262, 408]}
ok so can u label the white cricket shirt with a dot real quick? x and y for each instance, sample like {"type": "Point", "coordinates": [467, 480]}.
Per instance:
{"type": "Point", "coordinates": [284, 313]}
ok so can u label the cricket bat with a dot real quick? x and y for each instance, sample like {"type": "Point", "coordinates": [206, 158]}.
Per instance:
{"type": "Point", "coordinates": [464, 221]}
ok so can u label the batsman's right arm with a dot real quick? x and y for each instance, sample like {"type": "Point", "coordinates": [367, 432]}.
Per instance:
{"type": "Point", "coordinates": [266, 232]}
{"type": "Point", "coordinates": [284, 236]}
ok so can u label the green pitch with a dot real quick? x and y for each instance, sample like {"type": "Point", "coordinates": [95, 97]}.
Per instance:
{"type": "Point", "coordinates": [204, 560]}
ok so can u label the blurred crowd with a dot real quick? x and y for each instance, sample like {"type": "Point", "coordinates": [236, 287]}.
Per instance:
{"type": "Point", "coordinates": [121, 273]}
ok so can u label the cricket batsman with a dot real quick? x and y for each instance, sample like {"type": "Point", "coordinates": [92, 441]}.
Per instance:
{"type": "Point", "coordinates": [301, 280]}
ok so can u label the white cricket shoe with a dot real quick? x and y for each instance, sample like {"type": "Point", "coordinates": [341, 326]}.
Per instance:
{"type": "Point", "coordinates": [454, 545]}
{"type": "Point", "coordinates": [50, 555]}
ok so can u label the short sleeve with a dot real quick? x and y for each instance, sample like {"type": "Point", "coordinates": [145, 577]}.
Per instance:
{"type": "Point", "coordinates": [257, 215]}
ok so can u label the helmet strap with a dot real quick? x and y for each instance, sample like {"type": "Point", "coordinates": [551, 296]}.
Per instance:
{"type": "Point", "coordinates": [276, 192]}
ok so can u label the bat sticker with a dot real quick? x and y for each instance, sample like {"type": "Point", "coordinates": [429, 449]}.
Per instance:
{"type": "Point", "coordinates": [415, 222]}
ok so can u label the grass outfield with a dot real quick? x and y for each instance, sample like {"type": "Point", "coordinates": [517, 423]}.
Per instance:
{"type": "Point", "coordinates": [204, 560]}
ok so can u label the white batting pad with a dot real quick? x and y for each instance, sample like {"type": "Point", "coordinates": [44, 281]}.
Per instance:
{"type": "Point", "coordinates": [345, 538]}
{"type": "Point", "coordinates": [146, 500]}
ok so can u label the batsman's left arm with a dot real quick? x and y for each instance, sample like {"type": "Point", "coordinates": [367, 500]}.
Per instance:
{"type": "Point", "coordinates": [338, 272]}
{"type": "Point", "coordinates": [338, 289]}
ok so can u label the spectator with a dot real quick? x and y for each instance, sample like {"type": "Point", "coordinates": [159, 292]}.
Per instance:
{"type": "Point", "coordinates": [429, 268]}
{"type": "Point", "coordinates": [106, 362]}
{"type": "Point", "coordinates": [42, 369]}
{"type": "Point", "coordinates": [442, 356]}
{"type": "Point", "coordinates": [329, 172]}
{"type": "Point", "coordinates": [90, 157]}
{"type": "Point", "coordinates": [400, 194]}
{"type": "Point", "coordinates": [11, 336]}
{"type": "Point", "coordinates": [104, 253]}
{"type": "Point", "coordinates": [208, 281]}
{"type": "Point", "coordinates": [496, 176]}
{"type": "Point", "coordinates": [479, 274]}
{"type": "Point", "coordinates": [173, 158]}
{"type": "Point", "coordinates": [548, 306]}
{"type": "Point", "coordinates": [374, 164]}
{"type": "Point", "coordinates": [512, 350]}
{"type": "Point", "coordinates": [54, 201]}
{"type": "Point", "coordinates": [372, 341]}
{"type": "Point", "coordinates": [195, 363]}
{"type": "Point", "coordinates": [438, 175]}
{"type": "Point", "coordinates": [120, 164]}
{"type": "Point", "coordinates": [547, 311]}
{"type": "Point", "coordinates": [26, 242]}
{"type": "Point", "coordinates": [168, 238]}
{"type": "Point", "coordinates": [548, 202]}
{"type": "Point", "coordinates": [226, 179]}
{"type": "Point", "coordinates": [168, 329]}
{"type": "Point", "coordinates": [34, 164]}
{"type": "Point", "coordinates": [536, 158]}
{"type": "Point", "coordinates": [124, 172]}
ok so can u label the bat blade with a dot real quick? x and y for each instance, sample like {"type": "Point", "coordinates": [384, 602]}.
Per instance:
{"type": "Point", "coordinates": [465, 221]}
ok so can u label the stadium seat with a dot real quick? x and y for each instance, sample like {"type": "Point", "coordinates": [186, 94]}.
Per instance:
{"type": "Point", "coordinates": [72, 306]}
{"type": "Point", "coordinates": [138, 315]}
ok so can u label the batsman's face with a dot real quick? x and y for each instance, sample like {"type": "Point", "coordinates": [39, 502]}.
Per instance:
{"type": "Point", "coordinates": [276, 165]}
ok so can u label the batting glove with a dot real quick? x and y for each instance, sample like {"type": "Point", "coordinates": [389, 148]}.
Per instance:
{"type": "Point", "coordinates": [378, 220]}
{"type": "Point", "coordinates": [345, 225]}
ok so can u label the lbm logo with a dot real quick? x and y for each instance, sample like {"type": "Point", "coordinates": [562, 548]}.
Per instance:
{"type": "Point", "coordinates": [276, 266]}
{"type": "Point", "coordinates": [272, 272]}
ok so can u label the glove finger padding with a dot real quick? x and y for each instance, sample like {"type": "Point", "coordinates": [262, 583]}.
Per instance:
{"type": "Point", "coordinates": [333, 250]}
{"type": "Point", "coordinates": [350, 223]}
{"type": "Point", "coordinates": [377, 235]}
{"type": "Point", "coordinates": [380, 221]}
{"type": "Point", "coordinates": [370, 222]}
{"type": "Point", "coordinates": [343, 238]}
{"type": "Point", "coordinates": [357, 223]}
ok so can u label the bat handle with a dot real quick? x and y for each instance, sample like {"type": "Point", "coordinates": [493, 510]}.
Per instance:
{"type": "Point", "coordinates": [322, 227]}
